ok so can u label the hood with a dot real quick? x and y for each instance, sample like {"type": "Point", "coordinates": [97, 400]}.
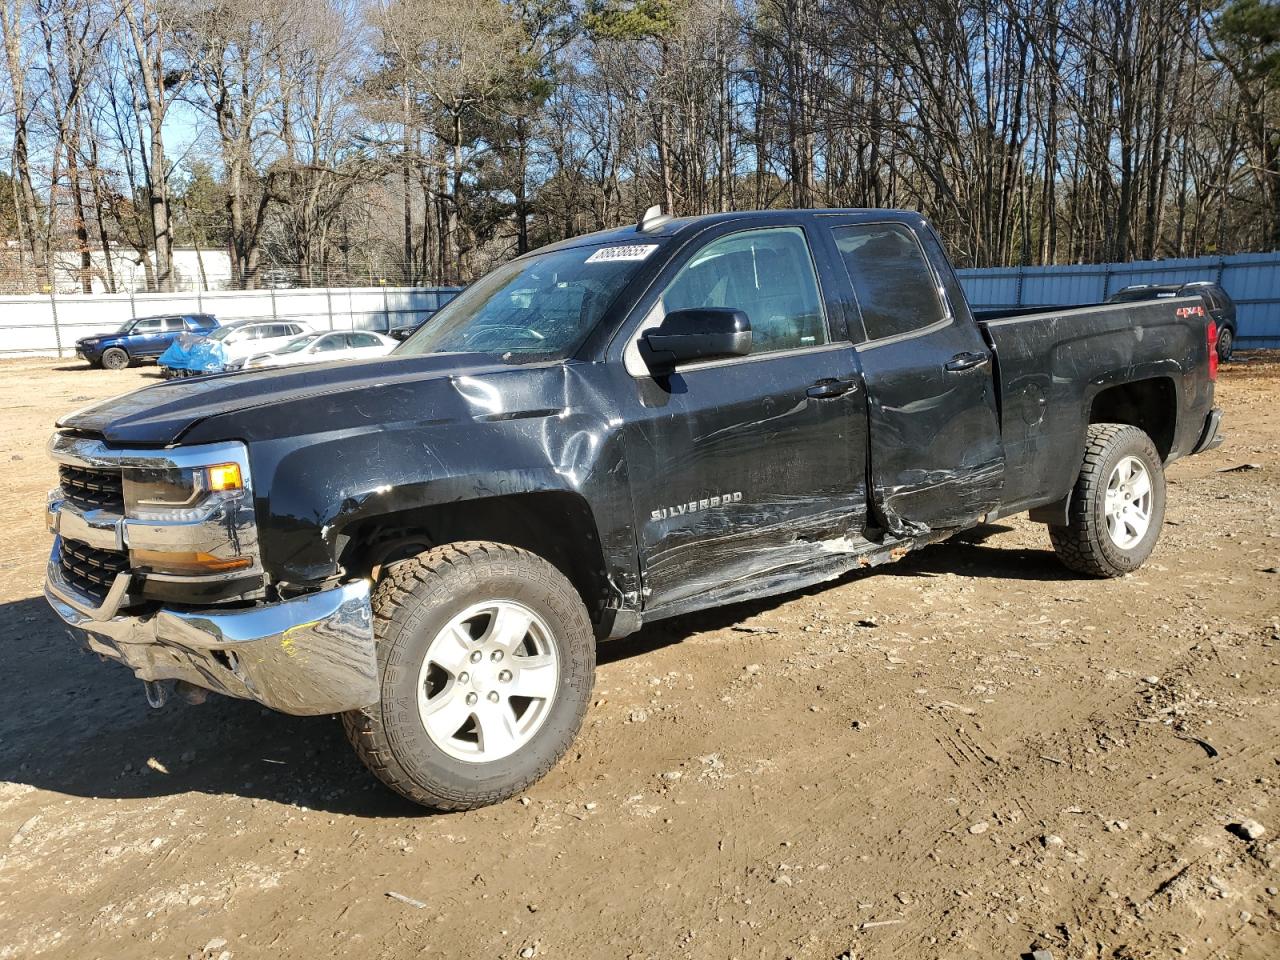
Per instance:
{"type": "Point", "coordinates": [254, 403]}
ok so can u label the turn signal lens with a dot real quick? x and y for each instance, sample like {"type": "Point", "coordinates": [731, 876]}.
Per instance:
{"type": "Point", "coordinates": [225, 476]}
{"type": "Point", "coordinates": [186, 561]}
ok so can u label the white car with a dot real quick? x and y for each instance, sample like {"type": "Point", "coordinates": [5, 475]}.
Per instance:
{"type": "Point", "coordinates": [243, 340]}
{"type": "Point", "coordinates": [321, 347]}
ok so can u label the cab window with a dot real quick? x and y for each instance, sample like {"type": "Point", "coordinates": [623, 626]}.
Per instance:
{"type": "Point", "coordinates": [769, 275]}
{"type": "Point", "coordinates": [334, 341]}
{"type": "Point", "coordinates": [896, 288]}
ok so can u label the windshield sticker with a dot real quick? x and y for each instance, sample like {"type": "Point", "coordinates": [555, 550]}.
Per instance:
{"type": "Point", "coordinates": [635, 251]}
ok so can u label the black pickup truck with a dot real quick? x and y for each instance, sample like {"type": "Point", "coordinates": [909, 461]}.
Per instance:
{"type": "Point", "coordinates": [618, 428]}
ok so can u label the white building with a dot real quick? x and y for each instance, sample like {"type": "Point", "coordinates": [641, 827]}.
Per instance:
{"type": "Point", "coordinates": [193, 270]}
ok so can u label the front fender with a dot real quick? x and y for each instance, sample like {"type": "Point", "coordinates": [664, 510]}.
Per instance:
{"type": "Point", "coordinates": [316, 490]}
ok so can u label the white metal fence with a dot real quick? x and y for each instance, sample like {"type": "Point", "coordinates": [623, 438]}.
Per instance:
{"type": "Point", "coordinates": [52, 324]}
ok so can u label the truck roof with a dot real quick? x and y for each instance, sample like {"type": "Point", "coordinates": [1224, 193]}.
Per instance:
{"type": "Point", "coordinates": [667, 230]}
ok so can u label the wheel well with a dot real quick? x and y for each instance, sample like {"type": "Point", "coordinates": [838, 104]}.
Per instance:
{"type": "Point", "coordinates": [558, 527]}
{"type": "Point", "coordinates": [1151, 405]}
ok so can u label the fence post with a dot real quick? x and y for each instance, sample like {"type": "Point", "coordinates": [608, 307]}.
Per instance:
{"type": "Point", "coordinates": [328, 302]}
{"type": "Point", "coordinates": [274, 315]}
{"type": "Point", "coordinates": [57, 332]}
{"type": "Point", "coordinates": [1106, 282]}
{"type": "Point", "coordinates": [1018, 288]}
{"type": "Point", "coordinates": [386, 310]}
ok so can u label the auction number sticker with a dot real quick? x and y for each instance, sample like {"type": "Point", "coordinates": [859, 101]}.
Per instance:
{"type": "Point", "coordinates": [634, 251]}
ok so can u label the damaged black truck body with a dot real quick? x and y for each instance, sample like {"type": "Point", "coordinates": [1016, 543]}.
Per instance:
{"type": "Point", "coordinates": [618, 428]}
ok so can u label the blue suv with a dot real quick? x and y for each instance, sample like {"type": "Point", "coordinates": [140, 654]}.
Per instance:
{"type": "Point", "coordinates": [142, 338]}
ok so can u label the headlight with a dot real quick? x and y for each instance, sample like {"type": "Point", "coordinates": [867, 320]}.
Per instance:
{"type": "Point", "coordinates": [179, 494]}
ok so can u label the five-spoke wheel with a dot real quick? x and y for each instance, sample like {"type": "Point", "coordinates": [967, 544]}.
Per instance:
{"type": "Point", "coordinates": [1128, 503]}
{"type": "Point", "coordinates": [488, 681]}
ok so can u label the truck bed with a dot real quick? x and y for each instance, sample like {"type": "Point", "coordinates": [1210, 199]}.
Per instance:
{"type": "Point", "coordinates": [1051, 364]}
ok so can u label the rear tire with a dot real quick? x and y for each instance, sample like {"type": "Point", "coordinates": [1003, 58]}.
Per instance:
{"type": "Point", "coordinates": [1226, 344]}
{"type": "Point", "coordinates": [115, 359]}
{"type": "Point", "coordinates": [463, 632]}
{"type": "Point", "coordinates": [1117, 504]}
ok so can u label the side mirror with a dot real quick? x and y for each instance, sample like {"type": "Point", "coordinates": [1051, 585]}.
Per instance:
{"type": "Point", "coordinates": [700, 333]}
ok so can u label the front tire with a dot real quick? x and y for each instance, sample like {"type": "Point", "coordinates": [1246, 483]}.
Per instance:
{"type": "Point", "coordinates": [486, 657]}
{"type": "Point", "coordinates": [115, 359]}
{"type": "Point", "coordinates": [1117, 505]}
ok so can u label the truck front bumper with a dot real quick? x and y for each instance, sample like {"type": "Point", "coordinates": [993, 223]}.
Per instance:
{"type": "Point", "coordinates": [310, 655]}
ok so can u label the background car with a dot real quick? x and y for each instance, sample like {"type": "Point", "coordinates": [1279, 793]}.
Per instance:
{"type": "Point", "coordinates": [226, 345]}
{"type": "Point", "coordinates": [321, 347]}
{"type": "Point", "coordinates": [1220, 306]}
{"type": "Point", "coordinates": [406, 330]}
{"type": "Point", "coordinates": [141, 338]}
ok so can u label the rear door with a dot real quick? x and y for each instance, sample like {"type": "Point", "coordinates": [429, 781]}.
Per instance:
{"type": "Point", "coordinates": [170, 327]}
{"type": "Point", "coordinates": [366, 344]}
{"type": "Point", "coordinates": [748, 467]}
{"type": "Point", "coordinates": [935, 450]}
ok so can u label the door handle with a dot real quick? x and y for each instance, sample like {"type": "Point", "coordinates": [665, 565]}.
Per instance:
{"type": "Point", "coordinates": [965, 361]}
{"type": "Point", "coordinates": [831, 387]}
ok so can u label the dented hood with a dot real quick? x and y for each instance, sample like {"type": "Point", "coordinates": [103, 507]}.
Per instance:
{"type": "Point", "coordinates": [241, 404]}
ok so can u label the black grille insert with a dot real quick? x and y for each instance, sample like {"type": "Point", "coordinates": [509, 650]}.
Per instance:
{"type": "Point", "coordinates": [90, 570]}
{"type": "Point", "coordinates": [92, 489]}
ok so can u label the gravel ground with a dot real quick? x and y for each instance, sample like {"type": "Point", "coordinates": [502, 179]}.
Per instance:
{"type": "Point", "coordinates": [970, 754]}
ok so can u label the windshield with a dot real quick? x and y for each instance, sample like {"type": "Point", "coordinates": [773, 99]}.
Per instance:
{"type": "Point", "coordinates": [128, 325]}
{"type": "Point", "coordinates": [535, 308]}
{"type": "Point", "coordinates": [298, 343]}
{"type": "Point", "coordinates": [223, 332]}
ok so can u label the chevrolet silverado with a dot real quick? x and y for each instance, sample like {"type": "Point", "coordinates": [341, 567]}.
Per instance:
{"type": "Point", "coordinates": [612, 430]}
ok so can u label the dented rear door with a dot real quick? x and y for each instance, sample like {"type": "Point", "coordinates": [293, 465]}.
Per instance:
{"type": "Point", "coordinates": [936, 459]}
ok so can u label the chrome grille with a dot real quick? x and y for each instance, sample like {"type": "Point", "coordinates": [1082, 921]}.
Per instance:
{"type": "Point", "coordinates": [92, 489]}
{"type": "Point", "coordinates": [90, 570]}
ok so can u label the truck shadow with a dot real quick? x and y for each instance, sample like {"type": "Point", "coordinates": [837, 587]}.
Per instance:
{"type": "Point", "coordinates": [966, 554]}
{"type": "Point", "coordinates": [79, 727]}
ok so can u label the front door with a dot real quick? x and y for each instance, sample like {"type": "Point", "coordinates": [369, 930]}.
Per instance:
{"type": "Point", "coordinates": [745, 469]}
{"type": "Point", "coordinates": [936, 456]}
{"type": "Point", "coordinates": [149, 339]}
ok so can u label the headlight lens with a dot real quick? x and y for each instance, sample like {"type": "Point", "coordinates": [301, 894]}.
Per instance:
{"type": "Point", "coordinates": [179, 494]}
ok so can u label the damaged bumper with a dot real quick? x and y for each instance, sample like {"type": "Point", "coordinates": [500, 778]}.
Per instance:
{"type": "Point", "coordinates": [310, 655]}
{"type": "Point", "coordinates": [1211, 436]}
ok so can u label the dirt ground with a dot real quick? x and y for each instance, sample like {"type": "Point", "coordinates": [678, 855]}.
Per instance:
{"type": "Point", "coordinates": [970, 754]}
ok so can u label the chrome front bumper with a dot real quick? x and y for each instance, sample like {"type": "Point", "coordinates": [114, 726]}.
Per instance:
{"type": "Point", "coordinates": [310, 655]}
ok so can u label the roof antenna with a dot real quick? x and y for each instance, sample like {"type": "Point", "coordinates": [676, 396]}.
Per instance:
{"type": "Point", "coordinates": [652, 219]}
